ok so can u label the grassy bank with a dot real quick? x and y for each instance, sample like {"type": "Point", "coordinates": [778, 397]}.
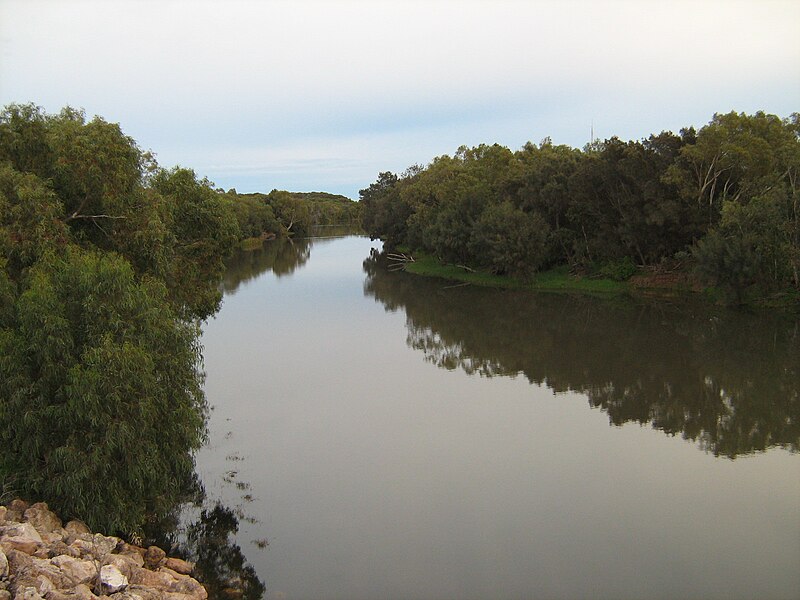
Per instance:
{"type": "Point", "coordinates": [674, 285]}
{"type": "Point", "coordinates": [556, 280]}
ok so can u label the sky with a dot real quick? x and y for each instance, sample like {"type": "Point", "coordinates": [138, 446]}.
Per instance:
{"type": "Point", "coordinates": [324, 95]}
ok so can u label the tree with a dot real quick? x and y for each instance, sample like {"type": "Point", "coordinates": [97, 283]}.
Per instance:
{"type": "Point", "coordinates": [102, 383]}
{"type": "Point", "coordinates": [509, 241]}
{"type": "Point", "coordinates": [107, 263]}
{"type": "Point", "coordinates": [202, 234]}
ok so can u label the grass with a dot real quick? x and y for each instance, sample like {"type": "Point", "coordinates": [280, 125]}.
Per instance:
{"type": "Point", "coordinates": [561, 280]}
{"type": "Point", "coordinates": [558, 280]}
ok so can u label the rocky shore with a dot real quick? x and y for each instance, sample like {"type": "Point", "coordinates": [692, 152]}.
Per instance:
{"type": "Point", "coordinates": [43, 559]}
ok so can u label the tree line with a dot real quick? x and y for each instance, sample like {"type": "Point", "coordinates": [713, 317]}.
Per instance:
{"type": "Point", "coordinates": [286, 213]}
{"type": "Point", "coordinates": [723, 199]}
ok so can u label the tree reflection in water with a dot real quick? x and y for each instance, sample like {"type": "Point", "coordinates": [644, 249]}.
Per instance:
{"type": "Point", "coordinates": [282, 256]}
{"type": "Point", "coordinates": [204, 536]}
{"type": "Point", "coordinates": [728, 380]}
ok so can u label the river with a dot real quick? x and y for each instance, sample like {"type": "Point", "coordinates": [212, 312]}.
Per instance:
{"type": "Point", "coordinates": [382, 435]}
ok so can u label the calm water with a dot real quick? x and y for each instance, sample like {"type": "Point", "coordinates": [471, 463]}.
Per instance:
{"type": "Point", "coordinates": [394, 437]}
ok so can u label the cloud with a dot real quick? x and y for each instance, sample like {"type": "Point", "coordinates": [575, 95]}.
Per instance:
{"type": "Point", "coordinates": [274, 75]}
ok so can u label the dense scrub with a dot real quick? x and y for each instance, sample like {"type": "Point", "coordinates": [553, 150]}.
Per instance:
{"type": "Point", "coordinates": [107, 265]}
{"type": "Point", "coordinates": [725, 199]}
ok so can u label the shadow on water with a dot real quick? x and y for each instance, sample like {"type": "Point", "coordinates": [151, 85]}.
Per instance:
{"type": "Point", "coordinates": [206, 538]}
{"type": "Point", "coordinates": [727, 380]}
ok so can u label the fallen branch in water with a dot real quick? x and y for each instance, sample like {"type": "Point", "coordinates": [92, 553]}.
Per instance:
{"type": "Point", "coordinates": [399, 260]}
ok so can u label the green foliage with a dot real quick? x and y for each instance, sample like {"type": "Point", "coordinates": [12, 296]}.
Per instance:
{"type": "Point", "coordinates": [204, 231]}
{"type": "Point", "coordinates": [102, 384]}
{"type": "Point", "coordinates": [616, 204]}
{"type": "Point", "coordinates": [253, 215]}
{"type": "Point", "coordinates": [618, 270]}
{"type": "Point", "coordinates": [509, 241]}
{"type": "Point", "coordinates": [107, 263]}
{"type": "Point", "coordinates": [291, 213]}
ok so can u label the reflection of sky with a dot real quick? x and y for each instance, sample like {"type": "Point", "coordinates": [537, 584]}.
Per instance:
{"type": "Point", "coordinates": [377, 475]}
{"type": "Point", "coordinates": [324, 95]}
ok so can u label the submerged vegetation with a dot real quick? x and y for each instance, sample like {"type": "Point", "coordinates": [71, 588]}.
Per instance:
{"type": "Point", "coordinates": [721, 203]}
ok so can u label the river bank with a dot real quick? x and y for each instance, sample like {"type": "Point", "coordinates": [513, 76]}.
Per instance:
{"type": "Point", "coordinates": [43, 559]}
{"type": "Point", "coordinates": [644, 282]}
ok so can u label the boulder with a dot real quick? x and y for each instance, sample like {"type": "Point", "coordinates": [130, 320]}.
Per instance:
{"type": "Point", "coordinates": [28, 593]}
{"type": "Point", "coordinates": [125, 563]}
{"type": "Point", "coordinates": [112, 580]}
{"type": "Point", "coordinates": [80, 592]}
{"type": "Point", "coordinates": [16, 509]}
{"type": "Point", "coordinates": [152, 579]}
{"type": "Point", "coordinates": [40, 560]}
{"type": "Point", "coordinates": [21, 530]}
{"type": "Point", "coordinates": [20, 536]}
{"type": "Point", "coordinates": [179, 566]}
{"type": "Point", "coordinates": [41, 575]}
{"type": "Point", "coordinates": [153, 557]}
{"type": "Point", "coordinates": [42, 518]}
{"type": "Point", "coordinates": [75, 527]}
{"type": "Point", "coordinates": [76, 570]}
{"type": "Point", "coordinates": [3, 565]}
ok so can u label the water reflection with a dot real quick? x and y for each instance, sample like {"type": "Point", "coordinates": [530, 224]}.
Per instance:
{"type": "Point", "coordinates": [727, 380]}
{"type": "Point", "coordinates": [204, 535]}
{"type": "Point", "coordinates": [282, 256]}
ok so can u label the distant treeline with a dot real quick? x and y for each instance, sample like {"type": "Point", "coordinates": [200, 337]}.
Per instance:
{"type": "Point", "coordinates": [724, 200]}
{"type": "Point", "coordinates": [289, 213]}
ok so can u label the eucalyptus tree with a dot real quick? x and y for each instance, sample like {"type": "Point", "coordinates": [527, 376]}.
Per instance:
{"type": "Point", "coordinates": [107, 266]}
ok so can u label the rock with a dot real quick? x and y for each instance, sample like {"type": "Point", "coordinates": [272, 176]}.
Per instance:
{"type": "Point", "coordinates": [151, 579]}
{"type": "Point", "coordinates": [153, 557]}
{"type": "Point", "coordinates": [42, 518]}
{"type": "Point", "coordinates": [112, 580]}
{"type": "Point", "coordinates": [22, 530]}
{"type": "Point", "coordinates": [75, 527]}
{"type": "Point", "coordinates": [126, 564]}
{"type": "Point", "coordinates": [76, 570]}
{"type": "Point", "coordinates": [17, 561]}
{"type": "Point", "coordinates": [179, 566]}
{"type": "Point", "coordinates": [61, 549]}
{"type": "Point", "coordinates": [80, 592]}
{"type": "Point", "coordinates": [40, 574]}
{"type": "Point", "coordinates": [129, 595]}
{"type": "Point", "coordinates": [129, 552]}
{"type": "Point", "coordinates": [16, 509]}
{"type": "Point", "coordinates": [28, 593]}
{"type": "Point", "coordinates": [40, 560]}
{"type": "Point", "coordinates": [104, 545]}
{"type": "Point", "coordinates": [98, 546]}
{"type": "Point", "coordinates": [20, 536]}
{"type": "Point", "coordinates": [26, 546]}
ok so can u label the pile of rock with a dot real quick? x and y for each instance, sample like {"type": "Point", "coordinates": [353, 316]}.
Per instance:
{"type": "Point", "coordinates": [42, 560]}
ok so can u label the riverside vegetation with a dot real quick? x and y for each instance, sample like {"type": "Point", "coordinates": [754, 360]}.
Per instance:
{"type": "Point", "coordinates": [717, 207]}
{"type": "Point", "coordinates": [108, 266]}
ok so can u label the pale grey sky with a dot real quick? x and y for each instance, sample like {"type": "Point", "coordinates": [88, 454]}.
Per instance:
{"type": "Point", "coordinates": [323, 95]}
